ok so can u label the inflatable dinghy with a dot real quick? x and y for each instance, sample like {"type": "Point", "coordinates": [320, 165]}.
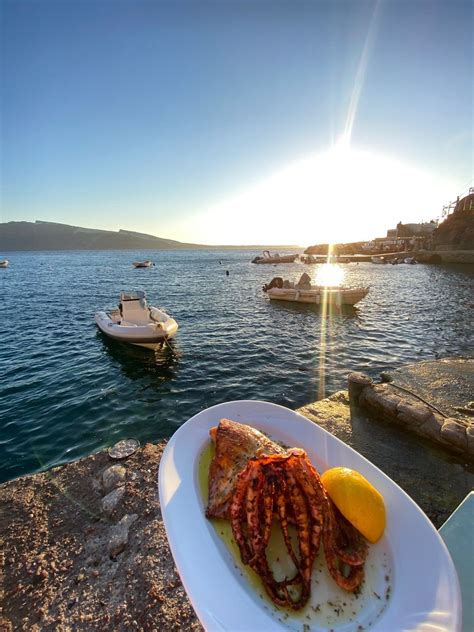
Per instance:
{"type": "Point", "coordinates": [136, 323]}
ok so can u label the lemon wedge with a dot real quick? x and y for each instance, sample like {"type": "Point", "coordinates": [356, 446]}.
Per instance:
{"type": "Point", "coordinates": [358, 501]}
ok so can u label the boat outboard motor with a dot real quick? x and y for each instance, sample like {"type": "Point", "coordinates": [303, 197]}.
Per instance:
{"type": "Point", "coordinates": [275, 282]}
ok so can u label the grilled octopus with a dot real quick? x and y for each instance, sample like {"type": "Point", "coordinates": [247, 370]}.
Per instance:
{"type": "Point", "coordinates": [252, 481]}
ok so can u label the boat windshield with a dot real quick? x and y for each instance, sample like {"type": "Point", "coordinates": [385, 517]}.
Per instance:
{"type": "Point", "coordinates": [132, 296]}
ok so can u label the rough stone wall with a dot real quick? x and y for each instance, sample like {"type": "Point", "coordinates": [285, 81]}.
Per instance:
{"type": "Point", "coordinates": [457, 435]}
{"type": "Point", "coordinates": [457, 231]}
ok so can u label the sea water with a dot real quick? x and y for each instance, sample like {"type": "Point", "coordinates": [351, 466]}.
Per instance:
{"type": "Point", "coordinates": [66, 390]}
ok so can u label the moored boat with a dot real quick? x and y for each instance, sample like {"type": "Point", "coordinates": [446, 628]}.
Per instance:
{"type": "Point", "coordinates": [378, 260]}
{"type": "Point", "coordinates": [304, 292]}
{"type": "Point", "coordinates": [276, 258]}
{"type": "Point", "coordinates": [143, 264]}
{"type": "Point", "coordinates": [318, 295]}
{"type": "Point", "coordinates": [136, 323]}
{"type": "Point", "coordinates": [4, 263]}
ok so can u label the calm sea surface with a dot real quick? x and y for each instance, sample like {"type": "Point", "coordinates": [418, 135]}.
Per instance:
{"type": "Point", "coordinates": [66, 391]}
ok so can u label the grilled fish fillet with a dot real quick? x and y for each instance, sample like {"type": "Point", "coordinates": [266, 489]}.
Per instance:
{"type": "Point", "coordinates": [235, 445]}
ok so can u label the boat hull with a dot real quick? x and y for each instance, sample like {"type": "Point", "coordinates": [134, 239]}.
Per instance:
{"type": "Point", "coordinates": [150, 336]}
{"type": "Point", "coordinates": [142, 264]}
{"type": "Point", "coordinates": [273, 259]}
{"type": "Point", "coordinates": [335, 296]}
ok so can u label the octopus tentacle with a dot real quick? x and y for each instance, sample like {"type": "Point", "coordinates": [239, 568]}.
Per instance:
{"type": "Point", "coordinates": [303, 526]}
{"type": "Point", "coordinates": [267, 514]}
{"type": "Point", "coordinates": [255, 485]}
{"type": "Point", "coordinates": [347, 576]}
{"type": "Point", "coordinates": [236, 511]}
{"type": "Point", "coordinates": [281, 506]}
{"type": "Point", "coordinates": [348, 542]}
{"type": "Point", "coordinates": [310, 483]}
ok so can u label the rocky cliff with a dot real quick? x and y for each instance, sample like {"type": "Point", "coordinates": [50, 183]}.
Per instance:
{"type": "Point", "coordinates": [457, 231]}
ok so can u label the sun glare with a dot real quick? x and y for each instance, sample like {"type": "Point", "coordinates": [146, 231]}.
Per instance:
{"type": "Point", "coordinates": [340, 195]}
{"type": "Point", "coordinates": [329, 275]}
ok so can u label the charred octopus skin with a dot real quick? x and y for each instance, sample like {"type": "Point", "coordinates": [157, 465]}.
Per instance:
{"type": "Point", "coordinates": [254, 481]}
{"type": "Point", "coordinates": [289, 488]}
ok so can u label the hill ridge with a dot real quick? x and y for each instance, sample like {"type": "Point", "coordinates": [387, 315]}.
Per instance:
{"type": "Point", "coordinates": [44, 235]}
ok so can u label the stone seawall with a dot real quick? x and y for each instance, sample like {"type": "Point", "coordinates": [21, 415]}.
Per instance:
{"type": "Point", "coordinates": [429, 399]}
{"type": "Point", "coordinates": [389, 402]}
{"type": "Point", "coordinates": [444, 256]}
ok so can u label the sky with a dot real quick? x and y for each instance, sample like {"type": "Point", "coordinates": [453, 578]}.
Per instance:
{"type": "Point", "coordinates": [236, 122]}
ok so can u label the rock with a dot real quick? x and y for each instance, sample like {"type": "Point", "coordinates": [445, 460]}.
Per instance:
{"type": "Point", "coordinates": [119, 535]}
{"type": "Point", "coordinates": [374, 398]}
{"type": "Point", "coordinates": [455, 433]}
{"type": "Point", "coordinates": [112, 500]}
{"type": "Point", "coordinates": [342, 397]}
{"type": "Point", "coordinates": [470, 439]}
{"type": "Point", "coordinates": [113, 476]}
{"type": "Point", "coordinates": [357, 382]}
{"type": "Point", "coordinates": [412, 413]}
{"type": "Point", "coordinates": [431, 428]}
{"type": "Point", "coordinates": [389, 399]}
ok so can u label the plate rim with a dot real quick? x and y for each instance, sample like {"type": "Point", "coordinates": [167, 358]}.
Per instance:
{"type": "Point", "coordinates": [204, 614]}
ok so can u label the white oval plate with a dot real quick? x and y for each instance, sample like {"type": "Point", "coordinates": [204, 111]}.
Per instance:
{"type": "Point", "coordinates": [425, 593]}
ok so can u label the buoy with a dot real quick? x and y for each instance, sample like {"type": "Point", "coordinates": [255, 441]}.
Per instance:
{"type": "Point", "coordinates": [227, 272]}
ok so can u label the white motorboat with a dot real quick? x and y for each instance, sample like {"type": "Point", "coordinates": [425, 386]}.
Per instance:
{"type": "Point", "coordinates": [378, 260]}
{"type": "Point", "coordinates": [304, 292]}
{"type": "Point", "coordinates": [4, 263]}
{"type": "Point", "coordinates": [143, 264]}
{"type": "Point", "coordinates": [276, 258]}
{"type": "Point", "coordinates": [136, 323]}
{"type": "Point", "coordinates": [319, 295]}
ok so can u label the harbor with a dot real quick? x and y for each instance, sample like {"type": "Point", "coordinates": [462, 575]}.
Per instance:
{"type": "Point", "coordinates": [88, 391]}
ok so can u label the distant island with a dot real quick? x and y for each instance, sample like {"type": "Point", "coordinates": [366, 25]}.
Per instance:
{"type": "Point", "coordinates": [42, 235]}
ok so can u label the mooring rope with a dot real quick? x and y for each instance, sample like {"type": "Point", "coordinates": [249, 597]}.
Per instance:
{"type": "Point", "coordinates": [402, 388]}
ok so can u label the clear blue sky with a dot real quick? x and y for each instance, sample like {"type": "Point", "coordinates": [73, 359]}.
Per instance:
{"type": "Point", "coordinates": [152, 115]}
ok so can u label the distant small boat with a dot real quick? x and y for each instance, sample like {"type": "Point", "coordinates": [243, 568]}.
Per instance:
{"type": "Point", "coordinates": [378, 260]}
{"type": "Point", "coordinates": [143, 264]}
{"type": "Point", "coordinates": [410, 260]}
{"type": "Point", "coordinates": [316, 294]}
{"type": "Point", "coordinates": [276, 258]}
{"type": "Point", "coordinates": [136, 323]}
{"type": "Point", "coordinates": [4, 263]}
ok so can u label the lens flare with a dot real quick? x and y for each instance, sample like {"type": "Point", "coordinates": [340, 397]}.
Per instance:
{"type": "Point", "coordinates": [329, 275]}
